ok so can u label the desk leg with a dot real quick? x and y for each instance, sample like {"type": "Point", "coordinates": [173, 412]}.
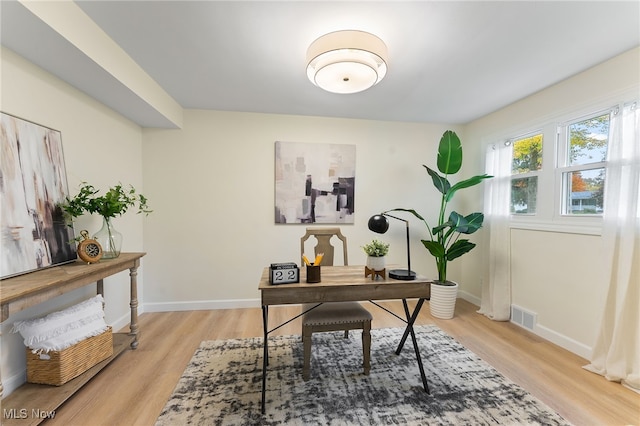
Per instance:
{"type": "Point", "coordinates": [265, 352]}
{"type": "Point", "coordinates": [410, 321]}
{"type": "Point", "coordinates": [409, 330]}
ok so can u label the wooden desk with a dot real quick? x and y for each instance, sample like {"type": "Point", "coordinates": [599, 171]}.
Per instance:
{"type": "Point", "coordinates": [343, 284]}
{"type": "Point", "coordinates": [30, 289]}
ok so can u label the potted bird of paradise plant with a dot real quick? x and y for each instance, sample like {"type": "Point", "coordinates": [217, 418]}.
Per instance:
{"type": "Point", "coordinates": [444, 242]}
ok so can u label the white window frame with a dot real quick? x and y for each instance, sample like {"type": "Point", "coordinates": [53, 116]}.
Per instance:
{"type": "Point", "coordinates": [548, 216]}
{"type": "Point", "coordinates": [563, 167]}
{"type": "Point", "coordinates": [533, 173]}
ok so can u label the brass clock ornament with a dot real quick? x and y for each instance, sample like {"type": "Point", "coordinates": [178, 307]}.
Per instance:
{"type": "Point", "coordinates": [89, 250]}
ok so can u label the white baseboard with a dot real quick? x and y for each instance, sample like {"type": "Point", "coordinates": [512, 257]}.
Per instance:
{"type": "Point", "coordinates": [9, 384]}
{"type": "Point", "coordinates": [201, 305]}
{"type": "Point", "coordinates": [563, 341]}
{"type": "Point", "coordinates": [123, 321]}
{"type": "Point", "coordinates": [204, 305]}
{"type": "Point", "coordinates": [469, 297]}
{"type": "Point", "coordinates": [554, 337]}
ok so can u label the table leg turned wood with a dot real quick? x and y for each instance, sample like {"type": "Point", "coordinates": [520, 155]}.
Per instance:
{"type": "Point", "coordinates": [133, 273]}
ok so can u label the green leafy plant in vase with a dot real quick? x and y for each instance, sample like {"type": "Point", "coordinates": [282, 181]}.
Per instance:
{"type": "Point", "coordinates": [444, 242]}
{"type": "Point", "coordinates": [376, 251]}
{"type": "Point", "coordinates": [115, 202]}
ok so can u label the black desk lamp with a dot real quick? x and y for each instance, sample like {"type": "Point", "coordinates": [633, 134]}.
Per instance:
{"type": "Point", "coordinates": [379, 224]}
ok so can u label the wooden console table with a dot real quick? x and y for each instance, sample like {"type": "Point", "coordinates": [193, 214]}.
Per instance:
{"type": "Point", "coordinates": [27, 290]}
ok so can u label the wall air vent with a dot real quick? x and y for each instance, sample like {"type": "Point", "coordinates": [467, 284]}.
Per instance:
{"type": "Point", "coordinates": [523, 318]}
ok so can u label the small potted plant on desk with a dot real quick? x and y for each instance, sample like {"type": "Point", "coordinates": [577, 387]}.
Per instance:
{"type": "Point", "coordinates": [114, 202]}
{"type": "Point", "coordinates": [444, 242]}
{"type": "Point", "coordinates": [376, 251]}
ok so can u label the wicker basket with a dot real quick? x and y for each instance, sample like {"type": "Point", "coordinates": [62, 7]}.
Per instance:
{"type": "Point", "coordinates": [58, 367]}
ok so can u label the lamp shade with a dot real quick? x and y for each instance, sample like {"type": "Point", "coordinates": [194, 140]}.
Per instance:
{"type": "Point", "coordinates": [346, 61]}
{"type": "Point", "coordinates": [378, 224]}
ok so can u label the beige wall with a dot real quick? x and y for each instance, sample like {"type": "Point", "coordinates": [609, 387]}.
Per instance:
{"type": "Point", "coordinates": [212, 184]}
{"type": "Point", "coordinates": [555, 274]}
{"type": "Point", "coordinates": [100, 147]}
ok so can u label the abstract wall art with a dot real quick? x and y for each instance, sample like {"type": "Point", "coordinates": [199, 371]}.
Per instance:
{"type": "Point", "coordinates": [33, 182]}
{"type": "Point", "coordinates": [314, 183]}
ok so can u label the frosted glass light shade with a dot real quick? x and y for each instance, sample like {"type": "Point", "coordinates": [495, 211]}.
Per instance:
{"type": "Point", "coordinates": [346, 61]}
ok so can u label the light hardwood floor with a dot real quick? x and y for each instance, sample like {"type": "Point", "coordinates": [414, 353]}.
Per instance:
{"type": "Point", "coordinates": [135, 387]}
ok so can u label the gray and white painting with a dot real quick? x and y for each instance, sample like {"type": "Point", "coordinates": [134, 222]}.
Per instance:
{"type": "Point", "coordinates": [314, 183]}
{"type": "Point", "coordinates": [33, 182]}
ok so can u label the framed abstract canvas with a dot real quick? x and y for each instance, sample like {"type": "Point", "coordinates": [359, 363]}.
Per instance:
{"type": "Point", "coordinates": [314, 183]}
{"type": "Point", "coordinates": [33, 182]}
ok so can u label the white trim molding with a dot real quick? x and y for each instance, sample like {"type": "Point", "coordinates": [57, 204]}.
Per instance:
{"type": "Point", "coordinates": [201, 305]}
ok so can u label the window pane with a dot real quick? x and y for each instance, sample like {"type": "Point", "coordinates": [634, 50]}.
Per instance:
{"type": "Point", "coordinates": [589, 140]}
{"type": "Point", "coordinates": [527, 154]}
{"type": "Point", "coordinates": [585, 191]}
{"type": "Point", "coordinates": [523, 195]}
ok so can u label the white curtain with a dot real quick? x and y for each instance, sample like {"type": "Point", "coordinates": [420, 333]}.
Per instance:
{"type": "Point", "coordinates": [616, 354]}
{"type": "Point", "coordinates": [496, 285]}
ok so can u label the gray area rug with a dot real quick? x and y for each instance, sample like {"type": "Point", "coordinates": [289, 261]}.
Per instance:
{"type": "Point", "coordinates": [222, 385]}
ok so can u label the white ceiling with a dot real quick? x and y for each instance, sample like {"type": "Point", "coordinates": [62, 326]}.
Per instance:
{"type": "Point", "coordinates": [449, 61]}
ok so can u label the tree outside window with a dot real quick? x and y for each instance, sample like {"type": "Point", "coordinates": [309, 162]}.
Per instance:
{"type": "Point", "coordinates": [526, 162]}
{"type": "Point", "coordinates": [585, 169]}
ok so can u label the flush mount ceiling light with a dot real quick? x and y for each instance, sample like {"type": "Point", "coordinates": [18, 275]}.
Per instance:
{"type": "Point", "coordinates": [346, 61]}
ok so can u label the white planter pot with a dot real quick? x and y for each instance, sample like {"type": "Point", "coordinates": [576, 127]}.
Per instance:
{"type": "Point", "coordinates": [442, 303]}
{"type": "Point", "coordinates": [376, 263]}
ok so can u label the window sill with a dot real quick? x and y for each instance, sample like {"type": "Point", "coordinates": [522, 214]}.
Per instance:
{"type": "Point", "coordinates": [594, 227]}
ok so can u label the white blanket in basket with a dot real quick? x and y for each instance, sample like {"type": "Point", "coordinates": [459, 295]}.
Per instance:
{"type": "Point", "coordinates": [59, 330]}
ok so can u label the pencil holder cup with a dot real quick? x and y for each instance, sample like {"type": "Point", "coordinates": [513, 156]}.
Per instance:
{"type": "Point", "coordinates": [313, 273]}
